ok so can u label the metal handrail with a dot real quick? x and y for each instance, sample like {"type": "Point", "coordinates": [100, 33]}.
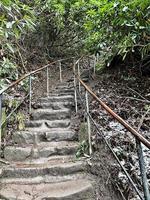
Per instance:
{"type": "Point", "coordinates": [139, 138]}
{"type": "Point", "coordinates": [117, 117]}
{"type": "Point", "coordinates": [28, 75]}
{"type": "Point", "coordinates": [100, 133]}
{"type": "Point", "coordinates": [31, 73]}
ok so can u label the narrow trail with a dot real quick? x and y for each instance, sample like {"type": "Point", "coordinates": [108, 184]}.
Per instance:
{"type": "Point", "coordinates": [42, 157]}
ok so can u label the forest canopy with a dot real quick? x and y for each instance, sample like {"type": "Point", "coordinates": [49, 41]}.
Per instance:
{"type": "Point", "coordinates": [109, 28]}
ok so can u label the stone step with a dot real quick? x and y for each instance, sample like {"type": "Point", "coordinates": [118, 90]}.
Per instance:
{"type": "Point", "coordinates": [44, 179]}
{"type": "Point", "coordinates": [42, 163]}
{"type": "Point", "coordinates": [30, 137]}
{"type": "Point", "coordinates": [65, 85]}
{"type": "Point", "coordinates": [61, 93]}
{"type": "Point", "coordinates": [47, 114]}
{"type": "Point", "coordinates": [84, 78]}
{"type": "Point", "coordinates": [23, 170]}
{"type": "Point", "coordinates": [61, 98]}
{"type": "Point", "coordinates": [44, 149]}
{"type": "Point", "coordinates": [69, 190]}
{"type": "Point", "coordinates": [62, 135]}
{"type": "Point", "coordinates": [66, 91]}
{"type": "Point", "coordinates": [45, 125]}
{"type": "Point", "coordinates": [70, 87]}
{"type": "Point", "coordinates": [52, 160]}
{"type": "Point", "coordinates": [74, 189]}
{"type": "Point", "coordinates": [54, 105]}
{"type": "Point", "coordinates": [66, 88]}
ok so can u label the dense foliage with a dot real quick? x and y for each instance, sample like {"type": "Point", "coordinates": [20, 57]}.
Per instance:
{"type": "Point", "coordinates": [109, 28]}
{"type": "Point", "coordinates": [118, 28]}
{"type": "Point", "coordinates": [16, 20]}
{"type": "Point", "coordinates": [63, 27]}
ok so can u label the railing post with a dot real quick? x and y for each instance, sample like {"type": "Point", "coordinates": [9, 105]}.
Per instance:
{"type": "Point", "coordinates": [79, 76]}
{"type": "Point", "coordinates": [47, 82]}
{"type": "Point", "coordinates": [88, 123]}
{"type": "Point", "coordinates": [30, 93]}
{"type": "Point", "coordinates": [143, 170]}
{"type": "Point", "coordinates": [75, 87]}
{"type": "Point", "coordinates": [1, 96]}
{"type": "Point", "coordinates": [94, 67]}
{"type": "Point", "coordinates": [60, 71]}
{"type": "Point", "coordinates": [97, 57]}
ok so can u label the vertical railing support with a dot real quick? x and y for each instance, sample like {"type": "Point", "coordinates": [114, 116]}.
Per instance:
{"type": "Point", "coordinates": [94, 67]}
{"type": "Point", "coordinates": [75, 94]}
{"type": "Point", "coordinates": [47, 82]}
{"type": "Point", "coordinates": [30, 93]}
{"type": "Point", "coordinates": [143, 170]}
{"type": "Point", "coordinates": [97, 57]}
{"type": "Point", "coordinates": [79, 76]}
{"type": "Point", "coordinates": [88, 123]}
{"type": "Point", "coordinates": [1, 96]}
{"type": "Point", "coordinates": [75, 87]}
{"type": "Point", "coordinates": [60, 71]}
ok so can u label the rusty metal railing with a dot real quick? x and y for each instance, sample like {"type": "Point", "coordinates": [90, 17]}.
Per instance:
{"type": "Point", "coordinates": [28, 76]}
{"type": "Point", "coordinates": [139, 138]}
{"type": "Point", "coordinates": [78, 83]}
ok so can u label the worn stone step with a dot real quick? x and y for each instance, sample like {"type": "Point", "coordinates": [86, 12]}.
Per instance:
{"type": "Point", "coordinates": [42, 163]}
{"type": "Point", "coordinates": [30, 137]}
{"type": "Point", "coordinates": [44, 149]}
{"type": "Point", "coordinates": [69, 190]}
{"type": "Point", "coordinates": [23, 170]}
{"type": "Point", "coordinates": [66, 91]}
{"type": "Point", "coordinates": [58, 124]}
{"type": "Point", "coordinates": [44, 179]}
{"type": "Point", "coordinates": [66, 88]}
{"type": "Point", "coordinates": [65, 85]}
{"type": "Point", "coordinates": [57, 98]}
{"type": "Point", "coordinates": [84, 78]}
{"type": "Point", "coordinates": [70, 87]}
{"type": "Point", "coordinates": [61, 135]}
{"type": "Point", "coordinates": [47, 114]}
{"type": "Point", "coordinates": [45, 125]}
{"type": "Point", "coordinates": [61, 93]}
{"type": "Point", "coordinates": [53, 105]}
{"type": "Point", "coordinates": [52, 160]}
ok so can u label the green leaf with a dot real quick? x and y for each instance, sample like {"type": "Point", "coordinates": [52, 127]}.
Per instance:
{"type": "Point", "coordinates": [10, 47]}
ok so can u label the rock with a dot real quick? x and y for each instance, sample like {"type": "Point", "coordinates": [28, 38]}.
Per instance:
{"type": "Point", "coordinates": [46, 114]}
{"type": "Point", "coordinates": [12, 153]}
{"type": "Point", "coordinates": [83, 134]}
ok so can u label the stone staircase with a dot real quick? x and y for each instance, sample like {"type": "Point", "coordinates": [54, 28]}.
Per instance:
{"type": "Point", "coordinates": [42, 159]}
